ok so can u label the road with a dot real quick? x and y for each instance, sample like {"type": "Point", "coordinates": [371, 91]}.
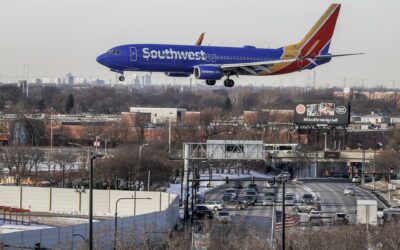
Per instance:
{"type": "Point", "coordinates": [331, 194]}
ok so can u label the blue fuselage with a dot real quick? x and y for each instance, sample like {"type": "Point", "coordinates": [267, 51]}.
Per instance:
{"type": "Point", "coordinates": [180, 58]}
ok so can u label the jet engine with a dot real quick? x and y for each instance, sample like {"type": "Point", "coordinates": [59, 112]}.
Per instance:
{"type": "Point", "coordinates": [208, 72]}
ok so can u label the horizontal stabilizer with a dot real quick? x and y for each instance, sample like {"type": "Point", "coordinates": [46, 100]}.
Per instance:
{"type": "Point", "coordinates": [337, 55]}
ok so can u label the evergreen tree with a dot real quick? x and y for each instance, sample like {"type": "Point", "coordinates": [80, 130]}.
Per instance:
{"type": "Point", "coordinates": [228, 104]}
{"type": "Point", "coordinates": [69, 103]}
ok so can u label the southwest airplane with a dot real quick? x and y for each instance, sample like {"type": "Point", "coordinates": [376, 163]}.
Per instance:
{"type": "Point", "coordinates": [211, 63]}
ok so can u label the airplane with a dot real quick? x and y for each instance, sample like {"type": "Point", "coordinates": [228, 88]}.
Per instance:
{"type": "Point", "coordinates": [212, 63]}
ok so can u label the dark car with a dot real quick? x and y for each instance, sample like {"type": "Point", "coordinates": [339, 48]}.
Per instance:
{"type": "Point", "coordinates": [226, 198]}
{"type": "Point", "coordinates": [250, 199]}
{"type": "Point", "coordinates": [238, 184]}
{"type": "Point", "coordinates": [308, 198]}
{"type": "Point", "coordinates": [201, 212]}
{"type": "Point", "coordinates": [252, 186]}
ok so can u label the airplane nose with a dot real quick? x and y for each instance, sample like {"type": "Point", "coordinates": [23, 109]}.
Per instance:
{"type": "Point", "coordinates": [102, 59]}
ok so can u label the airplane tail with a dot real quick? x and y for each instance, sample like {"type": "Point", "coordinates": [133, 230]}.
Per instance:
{"type": "Point", "coordinates": [318, 39]}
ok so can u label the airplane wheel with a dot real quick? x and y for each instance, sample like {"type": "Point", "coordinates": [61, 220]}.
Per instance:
{"type": "Point", "coordinates": [229, 83]}
{"type": "Point", "coordinates": [211, 82]}
{"type": "Point", "coordinates": [121, 78]}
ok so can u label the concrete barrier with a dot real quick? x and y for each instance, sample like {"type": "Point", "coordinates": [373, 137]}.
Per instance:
{"type": "Point", "coordinates": [71, 201]}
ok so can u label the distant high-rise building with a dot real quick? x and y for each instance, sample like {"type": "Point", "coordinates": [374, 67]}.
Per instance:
{"type": "Point", "coordinates": [69, 79]}
{"type": "Point", "coordinates": [99, 82]}
{"type": "Point", "coordinates": [146, 79]}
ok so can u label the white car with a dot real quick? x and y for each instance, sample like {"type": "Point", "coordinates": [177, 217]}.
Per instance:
{"type": "Point", "coordinates": [214, 205]}
{"type": "Point", "coordinates": [315, 214]}
{"type": "Point", "coordinates": [268, 201]}
{"type": "Point", "coordinates": [289, 200]}
{"type": "Point", "coordinates": [223, 216]}
{"type": "Point", "coordinates": [356, 179]}
{"type": "Point", "coordinates": [231, 192]}
{"type": "Point", "coordinates": [349, 191]}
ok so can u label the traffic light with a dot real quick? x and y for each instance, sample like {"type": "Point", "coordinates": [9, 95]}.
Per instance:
{"type": "Point", "coordinates": [226, 180]}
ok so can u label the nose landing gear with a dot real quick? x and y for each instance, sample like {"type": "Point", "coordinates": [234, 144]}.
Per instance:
{"type": "Point", "coordinates": [121, 78]}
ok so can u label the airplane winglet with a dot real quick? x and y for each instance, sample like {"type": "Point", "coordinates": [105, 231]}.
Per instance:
{"type": "Point", "coordinates": [200, 39]}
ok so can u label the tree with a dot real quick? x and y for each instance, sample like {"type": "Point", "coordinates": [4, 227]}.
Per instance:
{"type": "Point", "coordinates": [228, 104]}
{"type": "Point", "coordinates": [69, 103]}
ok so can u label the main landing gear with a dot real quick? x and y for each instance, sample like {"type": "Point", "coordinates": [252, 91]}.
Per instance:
{"type": "Point", "coordinates": [229, 83]}
{"type": "Point", "coordinates": [211, 82]}
{"type": "Point", "coordinates": [121, 78]}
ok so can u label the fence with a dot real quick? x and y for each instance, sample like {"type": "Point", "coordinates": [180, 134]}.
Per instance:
{"type": "Point", "coordinates": [130, 230]}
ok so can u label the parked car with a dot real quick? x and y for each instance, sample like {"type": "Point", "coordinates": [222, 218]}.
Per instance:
{"type": "Point", "coordinates": [253, 186]}
{"type": "Point", "coordinates": [214, 205]}
{"type": "Point", "coordinates": [223, 217]}
{"type": "Point", "coordinates": [307, 198]}
{"type": "Point", "coordinates": [236, 204]}
{"type": "Point", "coordinates": [201, 212]}
{"type": "Point", "coordinates": [356, 179]}
{"type": "Point", "coordinates": [268, 201]}
{"type": "Point", "coordinates": [238, 185]}
{"type": "Point", "coordinates": [349, 191]}
{"type": "Point", "coordinates": [231, 192]}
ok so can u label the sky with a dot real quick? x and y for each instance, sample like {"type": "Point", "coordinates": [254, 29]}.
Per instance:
{"type": "Point", "coordinates": [56, 37]}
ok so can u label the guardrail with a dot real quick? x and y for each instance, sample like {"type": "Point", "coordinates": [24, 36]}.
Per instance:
{"type": "Point", "coordinates": [8, 212]}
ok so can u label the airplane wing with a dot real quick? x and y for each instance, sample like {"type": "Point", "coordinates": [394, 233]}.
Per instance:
{"type": "Point", "coordinates": [253, 68]}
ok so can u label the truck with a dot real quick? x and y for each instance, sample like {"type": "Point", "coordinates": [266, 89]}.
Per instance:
{"type": "Point", "coordinates": [367, 212]}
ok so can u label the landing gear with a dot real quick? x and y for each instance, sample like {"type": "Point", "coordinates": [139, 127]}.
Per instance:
{"type": "Point", "coordinates": [211, 82]}
{"type": "Point", "coordinates": [121, 78]}
{"type": "Point", "coordinates": [229, 83]}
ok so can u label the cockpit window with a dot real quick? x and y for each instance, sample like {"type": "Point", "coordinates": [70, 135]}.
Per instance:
{"type": "Point", "coordinates": [114, 52]}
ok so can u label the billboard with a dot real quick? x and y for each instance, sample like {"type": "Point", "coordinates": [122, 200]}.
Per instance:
{"type": "Point", "coordinates": [322, 112]}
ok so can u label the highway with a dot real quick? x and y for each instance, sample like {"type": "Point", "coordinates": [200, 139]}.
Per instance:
{"type": "Point", "coordinates": [331, 194]}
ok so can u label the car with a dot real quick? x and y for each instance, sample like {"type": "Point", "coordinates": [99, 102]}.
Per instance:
{"type": "Point", "coordinates": [253, 186]}
{"type": "Point", "coordinates": [226, 197]}
{"type": "Point", "coordinates": [305, 207]}
{"type": "Point", "coordinates": [231, 192]}
{"type": "Point", "coordinates": [315, 214]}
{"type": "Point", "coordinates": [251, 192]}
{"type": "Point", "coordinates": [349, 191]}
{"type": "Point", "coordinates": [394, 208]}
{"type": "Point", "coordinates": [236, 204]}
{"type": "Point", "coordinates": [289, 200]}
{"type": "Point", "coordinates": [341, 219]}
{"type": "Point", "coordinates": [201, 212]}
{"type": "Point", "coordinates": [356, 179]}
{"type": "Point", "coordinates": [250, 199]}
{"type": "Point", "coordinates": [283, 176]}
{"type": "Point", "coordinates": [238, 185]}
{"type": "Point", "coordinates": [223, 216]}
{"type": "Point", "coordinates": [307, 198]}
{"type": "Point", "coordinates": [214, 205]}
{"type": "Point", "coordinates": [270, 193]}
{"type": "Point", "coordinates": [268, 201]}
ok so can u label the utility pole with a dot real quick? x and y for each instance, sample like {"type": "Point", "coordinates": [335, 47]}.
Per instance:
{"type": "Point", "coordinates": [283, 213]}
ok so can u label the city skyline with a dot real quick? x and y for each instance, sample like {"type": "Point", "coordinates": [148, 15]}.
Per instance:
{"type": "Point", "coordinates": [41, 43]}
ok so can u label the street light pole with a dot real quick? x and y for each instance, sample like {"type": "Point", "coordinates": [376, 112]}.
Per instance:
{"type": "Point", "coordinates": [116, 216]}
{"type": "Point", "coordinates": [92, 156]}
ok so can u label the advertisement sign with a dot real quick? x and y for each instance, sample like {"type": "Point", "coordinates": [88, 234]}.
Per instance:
{"type": "Point", "coordinates": [322, 112]}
